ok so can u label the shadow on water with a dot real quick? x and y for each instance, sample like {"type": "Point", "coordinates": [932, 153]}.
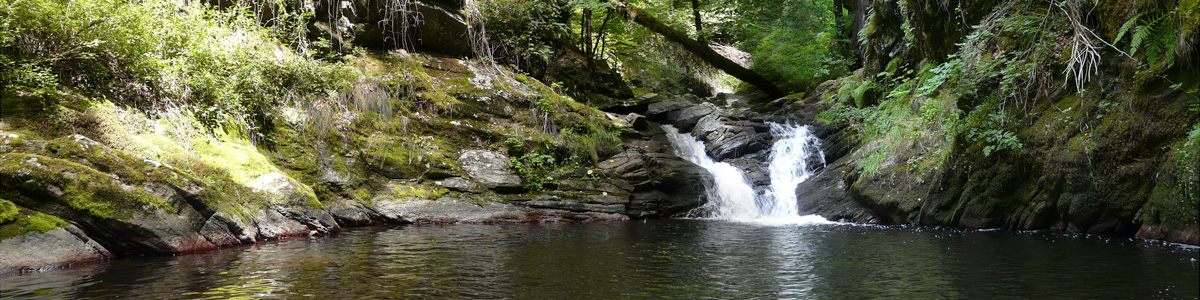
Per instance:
{"type": "Point", "coordinates": [655, 259]}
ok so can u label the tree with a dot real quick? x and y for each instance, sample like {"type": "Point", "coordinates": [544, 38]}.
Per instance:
{"type": "Point", "coordinates": [700, 49]}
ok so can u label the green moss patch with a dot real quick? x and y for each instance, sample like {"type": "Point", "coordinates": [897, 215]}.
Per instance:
{"type": "Point", "coordinates": [16, 221]}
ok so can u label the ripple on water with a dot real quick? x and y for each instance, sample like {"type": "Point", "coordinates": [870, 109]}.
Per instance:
{"type": "Point", "coordinates": [655, 259]}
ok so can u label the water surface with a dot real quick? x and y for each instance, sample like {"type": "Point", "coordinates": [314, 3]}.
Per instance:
{"type": "Point", "coordinates": [678, 259]}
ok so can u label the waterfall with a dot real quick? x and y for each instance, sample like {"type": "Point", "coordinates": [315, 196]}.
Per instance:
{"type": "Point", "coordinates": [794, 157]}
{"type": "Point", "coordinates": [732, 196]}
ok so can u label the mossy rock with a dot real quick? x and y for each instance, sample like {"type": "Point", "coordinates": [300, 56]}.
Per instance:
{"type": "Point", "coordinates": [16, 221]}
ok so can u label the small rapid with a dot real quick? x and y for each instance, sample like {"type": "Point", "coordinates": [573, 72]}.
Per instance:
{"type": "Point", "coordinates": [731, 196]}
{"type": "Point", "coordinates": [794, 157]}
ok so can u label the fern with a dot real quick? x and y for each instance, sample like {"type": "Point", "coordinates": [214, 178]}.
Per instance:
{"type": "Point", "coordinates": [1125, 28]}
{"type": "Point", "coordinates": [1138, 36]}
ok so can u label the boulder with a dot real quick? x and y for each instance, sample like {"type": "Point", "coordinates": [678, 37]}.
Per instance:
{"type": "Point", "coordinates": [726, 138]}
{"type": "Point", "coordinates": [659, 111]}
{"type": "Point", "coordinates": [490, 168]}
{"type": "Point", "coordinates": [660, 184]}
{"type": "Point", "coordinates": [827, 194]}
{"type": "Point", "coordinates": [687, 118]}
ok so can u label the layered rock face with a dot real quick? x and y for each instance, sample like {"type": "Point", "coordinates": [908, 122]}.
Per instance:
{"type": "Point", "coordinates": [98, 195]}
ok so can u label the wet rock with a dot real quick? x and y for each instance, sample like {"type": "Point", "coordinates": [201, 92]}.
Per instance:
{"type": "Point", "coordinates": [223, 229]}
{"type": "Point", "coordinates": [754, 168]}
{"type": "Point", "coordinates": [349, 213]}
{"type": "Point", "coordinates": [725, 138]}
{"type": "Point", "coordinates": [577, 206]}
{"type": "Point", "coordinates": [294, 201]}
{"type": "Point", "coordinates": [271, 223]}
{"type": "Point", "coordinates": [413, 210]}
{"type": "Point", "coordinates": [826, 194]}
{"type": "Point", "coordinates": [51, 249]}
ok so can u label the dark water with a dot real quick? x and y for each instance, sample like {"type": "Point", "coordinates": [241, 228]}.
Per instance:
{"type": "Point", "coordinates": [677, 259]}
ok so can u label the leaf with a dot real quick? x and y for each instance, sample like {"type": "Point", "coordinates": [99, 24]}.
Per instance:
{"type": "Point", "coordinates": [1125, 28]}
{"type": "Point", "coordinates": [1138, 37]}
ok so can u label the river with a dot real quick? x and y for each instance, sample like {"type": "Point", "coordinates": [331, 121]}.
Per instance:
{"type": "Point", "coordinates": [677, 259]}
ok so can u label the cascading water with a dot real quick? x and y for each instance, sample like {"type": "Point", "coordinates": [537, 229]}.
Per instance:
{"type": "Point", "coordinates": [794, 157]}
{"type": "Point", "coordinates": [732, 196]}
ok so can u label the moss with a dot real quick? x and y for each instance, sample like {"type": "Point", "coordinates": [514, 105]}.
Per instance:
{"type": "Point", "coordinates": [1175, 199]}
{"type": "Point", "coordinates": [420, 191]}
{"type": "Point", "coordinates": [82, 188]}
{"type": "Point", "coordinates": [8, 211]}
{"type": "Point", "coordinates": [16, 221]}
{"type": "Point", "coordinates": [407, 156]}
{"type": "Point", "coordinates": [242, 162]}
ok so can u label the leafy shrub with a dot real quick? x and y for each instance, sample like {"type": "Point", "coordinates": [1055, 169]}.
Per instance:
{"type": "Point", "coordinates": [152, 55]}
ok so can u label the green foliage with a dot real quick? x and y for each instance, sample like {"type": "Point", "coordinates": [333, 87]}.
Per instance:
{"type": "Point", "coordinates": [222, 64]}
{"type": "Point", "coordinates": [526, 30]}
{"type": "Point", "coordinates": [534, 169]}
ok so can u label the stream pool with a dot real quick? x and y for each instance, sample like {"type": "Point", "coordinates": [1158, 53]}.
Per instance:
{"type": "Point", "coordinates": [676, 259]}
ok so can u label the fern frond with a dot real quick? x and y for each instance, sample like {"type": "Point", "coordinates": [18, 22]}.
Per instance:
{"type": "Point", "coordinates": [1125, 28]}
{"type": "Point", "coordinates": [1138, 36]}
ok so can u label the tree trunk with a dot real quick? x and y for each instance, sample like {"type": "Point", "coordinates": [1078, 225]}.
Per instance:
{"type": "Point", "coordinates": [696, 18]}
{"type": "Point", "coordinates": [700, 49]}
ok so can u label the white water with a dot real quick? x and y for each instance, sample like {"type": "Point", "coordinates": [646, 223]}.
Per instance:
{"type": "Point", "coordinates": [794, 157]}
{"type": "Point", "coordinates": [732, 196]}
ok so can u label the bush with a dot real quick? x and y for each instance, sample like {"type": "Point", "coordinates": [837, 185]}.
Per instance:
{"type": "Point", "coordinates": [152, 55]}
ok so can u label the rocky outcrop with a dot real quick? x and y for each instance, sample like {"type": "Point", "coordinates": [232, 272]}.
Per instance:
{"type": "Point", "coordinates": [47, 250]}
{"type": "Point", "coordinates": [490, 169]}
{"type": "Point", "coordinates": [122, 206]}
{"type": "Point", "coordinates": [1113, 156]}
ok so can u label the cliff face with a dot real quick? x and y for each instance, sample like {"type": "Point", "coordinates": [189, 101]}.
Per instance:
{"type": "Point", "coordinates": [1016, 115]}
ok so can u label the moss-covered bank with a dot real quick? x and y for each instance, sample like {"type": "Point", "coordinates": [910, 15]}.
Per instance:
{"type": "Point", "coordinates": [1025, 116]}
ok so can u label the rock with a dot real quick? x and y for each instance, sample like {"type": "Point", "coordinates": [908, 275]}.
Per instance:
{"type": "Point", "coordinates": [608, 186]}
{"type": "Point", "coordinates": [658, 111]}
{"type": "Point", "coordinates": [626, 165]}
{"type": "Point", "coordinates": [826, 194]}
{"type": "Point", "coordinates": [272, 224]}
{"type": "Point", "coordinates": [737, 145]}
{"type": "Point", "coordinates": [349, 213]}
{"type": "Point", "coordinates": [223, 229]}
{"type": "Point", "coordinates": [490, 168]}
{"type": "Point", "coordinates": [414, 210]}
{"type": "Point", "coordinates": [460, 184]}
{"type": "Point", "coordinates": [577, 206]}
{"type": "Point", "coordinates": [725, 138]}
{"type": "Point", "coordinates": [294, 201]}
{"type": "Point", "coordinates": [687, 118]}
{"type": "Point", "coordinates": [660, 184]}
{"type": "Point", "coordinates": [368, 24]}
{"type": "Point", "coordinates": [636, 121]}
{"type": "Point", "coordinates": [51, 249]}
{"type": "Point", "coordinates": [755, 169]}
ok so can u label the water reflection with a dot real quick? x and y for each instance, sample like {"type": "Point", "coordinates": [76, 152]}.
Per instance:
{"type": "Point", "coordinates": [692, 259]}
